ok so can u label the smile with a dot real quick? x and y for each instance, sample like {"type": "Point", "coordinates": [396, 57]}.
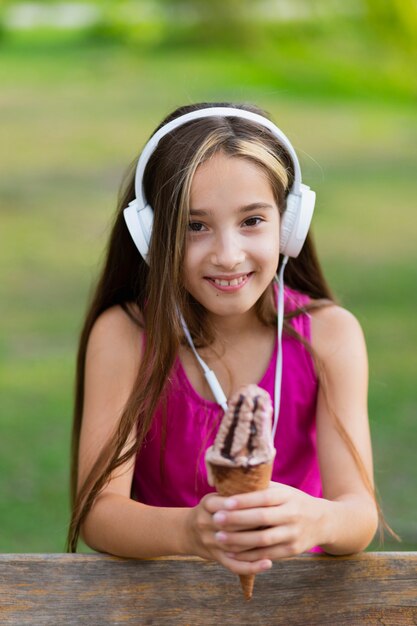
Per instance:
{"type": "Point", "coordinates": [229, 284]}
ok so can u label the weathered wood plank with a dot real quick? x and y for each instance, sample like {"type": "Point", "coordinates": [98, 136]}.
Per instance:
{"type": "Point", "coordinates": [64, 589]}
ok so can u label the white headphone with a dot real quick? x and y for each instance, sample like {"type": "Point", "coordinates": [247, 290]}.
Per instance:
{"type": "Point", "coordinates": [295, 223]}
{"type": "Point", "coordinates": [299, 204]}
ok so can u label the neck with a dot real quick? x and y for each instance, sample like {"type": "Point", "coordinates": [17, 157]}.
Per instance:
{"type": "Point", "coordinates": [234, 327]}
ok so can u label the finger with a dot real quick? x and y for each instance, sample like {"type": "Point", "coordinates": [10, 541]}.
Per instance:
{"type": "Point", "coordinates": [245, 519]}
{"type": "Point", "coordinates": [213, 503]}
{"type": "Point", "coordinates": [244, 567]}
{"type": "Point", "coordinates": [272, 553]}
{"type": "Point", "coordinates": [279, 494]}
{"type": "Point", "coordinates": [273, 483]}
{"type": "Point", "coordinates": [241, 542]}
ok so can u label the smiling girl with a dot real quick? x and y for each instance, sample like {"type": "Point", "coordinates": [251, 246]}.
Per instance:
{"type": "Point", "coordinates": [216, 208]}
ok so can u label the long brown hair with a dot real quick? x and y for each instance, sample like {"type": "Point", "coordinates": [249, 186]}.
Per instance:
{"type": "Point", "coordinates": [157, 290]}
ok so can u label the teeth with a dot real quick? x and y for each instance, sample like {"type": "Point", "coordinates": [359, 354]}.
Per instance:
{"type": "Point", "coordinates": [229, 283]}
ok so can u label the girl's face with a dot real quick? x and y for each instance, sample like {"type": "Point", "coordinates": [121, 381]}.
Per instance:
{"type": "Point", "coordinates": [232, 247]}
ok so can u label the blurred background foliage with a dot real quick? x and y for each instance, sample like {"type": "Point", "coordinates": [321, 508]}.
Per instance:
{"type": "Point", "coordinates": [82, 86]}
{"type": "Point", "coordinates": [350, 48]}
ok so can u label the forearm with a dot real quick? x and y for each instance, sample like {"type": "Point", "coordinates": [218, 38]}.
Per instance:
{"type": "Point", "coordinates": [120, 526]}
{"type": "Point", "coordinates": [348, 524]}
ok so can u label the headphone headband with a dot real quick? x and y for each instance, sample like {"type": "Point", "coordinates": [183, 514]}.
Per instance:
{"type": "Point", "coordinates": [300, 200]}
{"type": "Point", "coordinates": [153, 142]}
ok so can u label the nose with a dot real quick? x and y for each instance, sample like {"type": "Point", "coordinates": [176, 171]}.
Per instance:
{"type": "Point", "coordinates": [227, 251]}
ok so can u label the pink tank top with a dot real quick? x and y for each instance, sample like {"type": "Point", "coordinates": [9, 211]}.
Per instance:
{"type": "Point", "coordinates": [170, 469]}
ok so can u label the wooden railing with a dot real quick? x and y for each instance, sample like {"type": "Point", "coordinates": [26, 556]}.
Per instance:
{"type": "Point", "coordinates": [95, 589]}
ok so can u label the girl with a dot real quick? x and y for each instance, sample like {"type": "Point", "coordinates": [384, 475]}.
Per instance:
{"type": "Point", "coordinates": [226, 208]}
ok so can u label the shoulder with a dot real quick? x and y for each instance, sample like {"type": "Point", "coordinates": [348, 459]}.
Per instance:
{"type": "Point", "coordinates": [337, 336]}
{"type": "Point", "coordinates": [115, 339]}
{"type": "Point", "coordinates": [112, 326]}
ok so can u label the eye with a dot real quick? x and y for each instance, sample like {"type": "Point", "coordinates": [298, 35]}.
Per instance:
{"type": "Point", "coordinates": [196, 227]}
{"type": "Point", "coordinates": [252, 221]}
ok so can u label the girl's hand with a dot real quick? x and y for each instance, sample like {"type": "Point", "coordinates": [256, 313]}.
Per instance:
{"type": "Point", "coordinates": [266, 525]}
{"type": "Point", "coordinates": [205, 541]}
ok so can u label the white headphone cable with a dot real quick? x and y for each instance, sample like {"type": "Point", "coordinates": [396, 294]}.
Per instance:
{"type": "Point", "coordinates": [210, 376]}
{"type": "Point", "coordinates": [280, 324]}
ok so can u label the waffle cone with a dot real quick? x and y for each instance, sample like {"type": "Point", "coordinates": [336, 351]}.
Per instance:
{"type": "Point", "coordinates": [230, 481]}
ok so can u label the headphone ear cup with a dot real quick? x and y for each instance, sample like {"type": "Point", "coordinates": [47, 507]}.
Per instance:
{"type": "Point", "coordinates": [288, 220]}
{"type": "Point", "coordinates": [139, 223]}
{"type": "Point", "coordinates": [296, 221]}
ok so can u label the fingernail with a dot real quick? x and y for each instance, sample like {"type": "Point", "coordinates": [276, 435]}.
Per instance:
{"type": "Point", "coordinates": [230, 503]}
{"type": "Point", "coordinates": [266, 565]}
{"type": "Point", "coordinates": [219, 517]}
{"type": "Point", "coordinates": [220, 536]}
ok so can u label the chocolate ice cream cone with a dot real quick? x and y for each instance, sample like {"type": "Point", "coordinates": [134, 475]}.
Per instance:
{"type": "Point", "coordinates": [242, 455]}
{"type": "Point", "coordinates": [230, 481]}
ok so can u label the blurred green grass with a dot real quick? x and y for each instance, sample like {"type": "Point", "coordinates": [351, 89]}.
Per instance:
{"type": "Point", "coordinates": [73, 117]}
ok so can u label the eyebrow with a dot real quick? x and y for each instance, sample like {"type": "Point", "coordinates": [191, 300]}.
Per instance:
{"type": "Point", "coordinates": [244, 209]}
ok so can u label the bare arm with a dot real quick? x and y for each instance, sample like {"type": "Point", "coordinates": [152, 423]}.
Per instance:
{"type": "Point", "coordinates": [116, 523]}
{"type": "Point", "coordinates": [351, 517]}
